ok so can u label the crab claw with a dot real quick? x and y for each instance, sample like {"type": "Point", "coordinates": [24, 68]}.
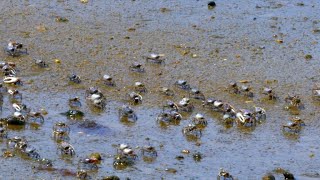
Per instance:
{"type": "Point", "coordinates": [240, 117]}
{"type": "Point", "coordinates": [11, 80]}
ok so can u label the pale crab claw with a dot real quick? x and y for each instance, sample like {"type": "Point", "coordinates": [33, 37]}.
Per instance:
{"type": "Point", "coordinates": [240, 117]}
{"type": "Point", "coordinates": [218, 103]}
{"type": "Point", "coordinates": [10, 80]}
{"type": "Point", "coordinates": [16, 107]}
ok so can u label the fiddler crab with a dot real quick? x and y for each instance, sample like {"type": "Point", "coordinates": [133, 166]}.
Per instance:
{"type": "Point", "coordinates": [35, 118]}
{"type": "Point", "coordinates": [212, 104]}
{"type": "Point", "coordinates": [12, 142]}
{"type": "Point", "coordinates": [126, 113]}
{"type": "Point", "coordinates": [246, 90]}
{"type": "Point", "coordinates": [233, 88]}
{"type": "Point", "coordinates": [136, 67]}
{"type": "Point", "coordinates": [108, 80]}
{"type": "Point", "coordinates": [171, 106]}
{"type": "Point", "coordinates": [40, 63]}
{"type": "Point", "coordinates": [75, 78]}
{"type": "Point", "coordinates": [90, 163]}
{"type": "Point", "coordinates": [140, 87]}
{"type": "Point", "coordinates": [293, 100]}
{"type": "Point", "coordinates": [149, 153]}
{"type": "Point", "coordinates": [268, 92]}
{"type": "Point", "coordinates": [17, 119]}
{"type": "Point", "coordinates": [199, 120]}
{"type": "Point", "coordinates": [245, 118]}
{"type": "Point", "coordinates": [73, 114]}
{"type": "Point", "coordinates": [22, 108]}
{"type": "Point", "coordinates": [316, 91]}
{"type": "Point", "coordinates": [96, 97]}
{"type": "Point", "coordinates": [8, 69]}
{"type": "Point", "coordinates": [82, 174]}
{"type": "Point", "coordinates": [294, 126]}
{"type": "Point", "coordinates": [167, 118]}
{"type": "Point", "coordinates": [15, 49]}
{"type": "Point", "coordinates": [60, 131]}
{"type": "Point", "coordinates": [12, 80]}
{"type": "Point", "coordinates": [185, 105]}
{"type": "Point", "coordinates": [166, 91]}
{"type": "Point", "coordinates": [134, 98]}
{"type": "Point", "coordinates": [155, 58]}
{"type": "Point", "coordinates": [23, 146]}
{"type": "Point", "coordinates": [66, 149]}
{"type": "Point", "coordinates": [15, 95]}
{"type": "Point", "coordinates": [196, 94]}
{"type": "Point", "coordinates": [224, 175]}
{"type": "Point", "coordinates": [125, 157]}
{"type": "Point", "coordinates": [249, 119]}
{"type": "Point", "coordinates": [192, 130]}
{"type": "Point", "coordinates": [74, 102]}
{"type": "Point", "coordinates": [182, 84]}
{"type": "Point", "coordinates": [31, 152]}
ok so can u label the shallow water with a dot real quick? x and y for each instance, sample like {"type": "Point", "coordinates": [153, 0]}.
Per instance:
{"type": "Point", "coordinates": [232, 42]}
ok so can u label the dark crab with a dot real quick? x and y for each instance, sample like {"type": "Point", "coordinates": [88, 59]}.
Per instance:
{"type": "Point", "coordinates": [224, 175]}
{"type": "Point", "coordinates": [245, 118]}
{"type": "Point", "coordinates": [192, 130]}
{"type": "Point", "coordinates": [140, 87]}
{"type": "Point", "coordinates": [74, 102]}
{"type": "Point", "coordinates": [126, 113]}
{"type": "Point", "coordinates": [168, 118]}
{"type": "Point", "coordinates": [185, 105]}
{"type": "Point", "coordinates": [75, 78]}
{"type": "Point", "coordinates": [108, 80]}
{"type": "Point", "coordinates": [66, 149]}
{"type": "Point", "coordinates": [293, 100]}
{"type": "Point", "coordinates": [294, 126]}
{"type": "Point", "coordinates": [233, 88]}
{"type": "Point", "coordinates": [155, 58]}
{"type": "Point", "coordinates": [199, 120]}
{"type": "Point", "coordinates": [136, 67]}
{"type": "Point", "coordinates": [182, 84]}
{"type": "Point", "coordinates": [196, 94]}
{"type": "Point", "coordinates": [270, 95]}
{"type": "Point", "coordinates": [134, 98]}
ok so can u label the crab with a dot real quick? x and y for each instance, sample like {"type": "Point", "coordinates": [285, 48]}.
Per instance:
{"type": "Point", "coordinates": [185, 105]}
{"type": "Point", "coordinates": [88, 164]}
{"type": "Point", "coordinates": [66, 149]}
{"type": "Point", "coordinates": [192, 130]}
{"type": "Point", "coordinates": [31, 152]}
{"type": "Point", "coordinates": [247, 91]}
{"type": "Point", "coordinates": [149, 151]}
{"type": "Point", "coordinates": [233, 88]}
{"type": "Point", "coordinates": [155, 58]}
{"type": "Point", "coordinates": [182, 84]}
{"type": "Point", "coordinates": [140, 87]}
{"type": "Point", "coordinates": [61, 131]}
{"type": "Point", "coordinates": [108, 80]}
{"type": "Point", "coordinates": [121, 162]}
{"type": "Point", "coordinates": [82, 174]}
{"type": "Point", "coordinates": [74, 102]}
{"type": "Point", "coordinates": [15, 95]}
{"type": "Point", "coordinates": [12, 80]}
{"type": "Point", "coordinates": [166, 91]}
{"type": "Point", "coordinates": [22, 108]}
{"type": "Point", "coordinates": [316, 91]}
{"type": "Point", "coordinates": [196, 94]}
{"type": "Point", "coordinates": [17, 119]}
{"type": "Point", "coordinates": [199, 120]}
{"type": "Point", "coordinates": [260, 114]}
{"type": "Point", "coordinates": [171, 106]}
{"type": "Point", "coordinates": [40, 63]}
{"type": "Point", "coordinates": [224, 175]}
{"type": "Point", "coordinates": [75, 78]}
{"type": "Point", "coordinates": [294, 126]}
{"type": "Point", "coordinates": [293, 100]}
{"type": "Point", "coordinates": [73, 114]}
{"type": "Point", "coordinates": [9, 70]}
{"type": "Point", "coordinates": [269, 93]}
{"type": "Point", "coordinates": [134, 98]}
{"type": "Point", "coordinates": [136, 67]}
{"type": "Point", "coordinates": [245, 118]}
{"type": "Point", "coordinates": [167, 118]}
{"type": "Point", "coordinates": [96, 97]}
{"type": "Point", "coordinates": [35, 118]}
{"type": "Point", "coordinates": [15, 49]}
{"type": "Point", "coordinates": [212, 104]}
{"type": "Point", "coordinates": [126, 113]}
{"type": "Point", "coordinates": [11, 142]}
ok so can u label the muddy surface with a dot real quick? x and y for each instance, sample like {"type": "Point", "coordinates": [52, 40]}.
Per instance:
{"type": "Point", "coordinates": [234, 41]}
